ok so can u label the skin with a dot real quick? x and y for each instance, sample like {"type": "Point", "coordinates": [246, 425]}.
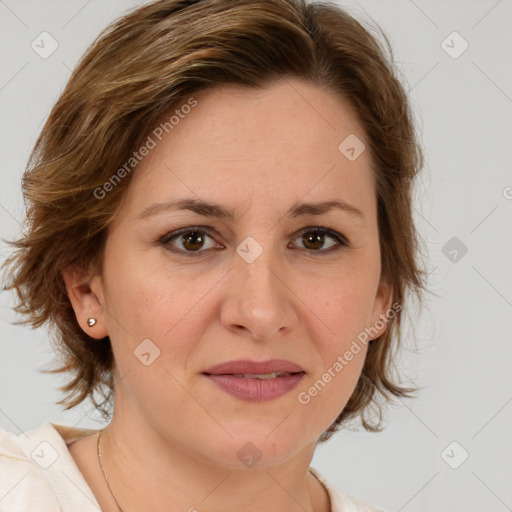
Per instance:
{"type": "Point", "coordinates": [174, 432]}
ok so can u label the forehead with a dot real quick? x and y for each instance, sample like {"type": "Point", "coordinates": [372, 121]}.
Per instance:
{"type": "Point", "coordinates": [276, 144]}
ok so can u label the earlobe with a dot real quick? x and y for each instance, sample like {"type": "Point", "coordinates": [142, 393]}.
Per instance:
{"type": "Point", "coordinates": [85, 302]}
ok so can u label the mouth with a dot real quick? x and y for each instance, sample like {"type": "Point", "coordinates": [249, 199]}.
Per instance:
{"type": "Point", "coordinates": [245, 368]}
{"type": "Point", "coordinates": [255, 381]}
{"type": "Point", "coordinates": [261, 376]}
{"type": "Point", "coordinates": [258, 387]}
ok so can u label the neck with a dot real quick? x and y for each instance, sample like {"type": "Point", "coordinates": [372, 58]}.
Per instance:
{"type": "Point", "coordinates": [146, 471]}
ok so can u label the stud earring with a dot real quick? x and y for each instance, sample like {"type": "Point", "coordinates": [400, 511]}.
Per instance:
{"type": "Point", "coordinates": [91, 321]}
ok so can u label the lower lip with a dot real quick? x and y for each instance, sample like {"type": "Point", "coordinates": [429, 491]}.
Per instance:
{"type": "Point", "coordinates": [256, 390]}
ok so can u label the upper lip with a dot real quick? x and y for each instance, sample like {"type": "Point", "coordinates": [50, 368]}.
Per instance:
{"type": "Point", "coordinates": [254, 367]}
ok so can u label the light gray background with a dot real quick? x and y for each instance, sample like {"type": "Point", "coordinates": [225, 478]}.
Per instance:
{"type": "Point", "coordinates": [464, 105]}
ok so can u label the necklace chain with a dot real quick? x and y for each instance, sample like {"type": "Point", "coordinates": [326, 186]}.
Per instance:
{"type": "Point", "coordinates": [106, 479]}
{"type": "Point", "coordinates": [104, 474]}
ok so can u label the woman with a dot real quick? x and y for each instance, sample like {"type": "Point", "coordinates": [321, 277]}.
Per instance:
{"type": "Point", "coordinates": [220, 233]}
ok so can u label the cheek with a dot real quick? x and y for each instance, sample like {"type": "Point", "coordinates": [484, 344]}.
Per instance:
{"type": "Point", "coordinates": [141, 289]}
{"type": "Point", "coordinates": [324, 396]}
{"type": "Point", "coordinates": [150, 300]}
{"type": "Point", "coordinates": [342, 301]}
{"type": "Point", "coordinates": [339, 310]}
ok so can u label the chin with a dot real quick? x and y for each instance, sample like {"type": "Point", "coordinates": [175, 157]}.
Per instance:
{"type": "Point", "coordinates": [255, 448]}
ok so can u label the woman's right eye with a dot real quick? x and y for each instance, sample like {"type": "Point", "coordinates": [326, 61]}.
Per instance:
{"type": "Point", "coordinates": [191, 240]}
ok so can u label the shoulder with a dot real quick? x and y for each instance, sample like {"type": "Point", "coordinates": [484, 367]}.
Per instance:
{"type": "Point", "coordinates": [22, 484]}
{"type": "Point", "coordinates": [343, 502]}
{"type": "Point", "coordinates": [37, 472]}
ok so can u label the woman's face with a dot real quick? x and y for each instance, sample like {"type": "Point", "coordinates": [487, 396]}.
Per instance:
{"type": "Point", "coordinates": [251, 287]}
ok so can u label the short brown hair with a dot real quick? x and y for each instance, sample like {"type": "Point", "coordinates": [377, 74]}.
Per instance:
{"type": "Point", "coordinates": [152, 60]}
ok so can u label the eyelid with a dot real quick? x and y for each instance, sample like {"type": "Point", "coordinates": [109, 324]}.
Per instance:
{"type": "Point", "coordinates": [207, 230]}
{"type": "Point", "coordinates": [342, 240]}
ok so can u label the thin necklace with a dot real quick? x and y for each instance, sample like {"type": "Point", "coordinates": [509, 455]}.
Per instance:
{"type": "Point", "coordinates": [104, 474]}
{"type": "Point", "coordinates": [112, 493]}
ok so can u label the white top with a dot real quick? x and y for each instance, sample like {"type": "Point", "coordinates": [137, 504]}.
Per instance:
{"type": "Point", "coordinates": [37, 472]}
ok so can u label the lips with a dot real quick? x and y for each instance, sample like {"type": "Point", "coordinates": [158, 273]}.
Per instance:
{"type": "Point", "coordinates": [256, 382]}
{"type": "Point", "coordinates": [244, 366]}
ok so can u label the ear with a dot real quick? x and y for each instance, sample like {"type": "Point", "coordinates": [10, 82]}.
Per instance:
{"type": "Point", "coordinates": [381, 306]}
{"type": "Point", "coordinates": [85, 292]}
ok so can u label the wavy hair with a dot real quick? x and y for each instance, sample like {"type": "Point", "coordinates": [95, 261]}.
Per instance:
{"type": "Point", "coordinates": [153, 59]}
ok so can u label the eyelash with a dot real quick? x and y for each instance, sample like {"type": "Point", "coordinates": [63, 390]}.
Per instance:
{"type": "Point", "coordinates": [204, 230]}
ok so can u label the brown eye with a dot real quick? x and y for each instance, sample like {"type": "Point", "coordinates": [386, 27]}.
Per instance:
{"type": "Point", "coordinates": [193, 241]}
{"type": "Point", "coordinates": [315, 238]}
{"type": "Point", "coordinates": [188, 241]}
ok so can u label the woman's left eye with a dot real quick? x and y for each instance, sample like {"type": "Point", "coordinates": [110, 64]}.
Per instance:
{"type": "Point", "coordinates": [316, 237]}
{"type": "Point", "coordinates": [192, 240]}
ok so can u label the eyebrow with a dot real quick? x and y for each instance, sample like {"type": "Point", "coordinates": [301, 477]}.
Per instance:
{"type": "Point", "coordinates": [218, 211]}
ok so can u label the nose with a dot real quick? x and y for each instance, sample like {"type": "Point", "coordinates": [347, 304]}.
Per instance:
{"type": "Point", "coordinates": [259, 301]}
